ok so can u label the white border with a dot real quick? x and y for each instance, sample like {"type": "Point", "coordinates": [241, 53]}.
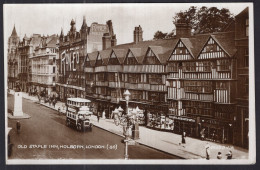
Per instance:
{"type": "Point", "coordinates": [252, 132]}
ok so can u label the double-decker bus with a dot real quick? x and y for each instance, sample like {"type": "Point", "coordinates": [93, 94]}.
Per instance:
{"type": "Point", "coordinates": [78, 113]}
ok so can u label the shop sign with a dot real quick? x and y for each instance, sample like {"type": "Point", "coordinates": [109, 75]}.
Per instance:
{"type": "Point", "coordinates": [182, 118]}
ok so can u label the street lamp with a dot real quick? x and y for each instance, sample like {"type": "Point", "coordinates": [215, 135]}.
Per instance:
{"type": "Point", "coordinates": [127, 95]}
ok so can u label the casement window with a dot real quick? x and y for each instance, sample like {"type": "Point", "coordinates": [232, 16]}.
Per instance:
{"type": "Point", "coordinates": [246, 86]}
{"type": "Point", "coordinates": [204, 66]}
{"type": "Point", "coordinates": [155, 78]}
{"type": "Point", "coordinates": [195, 107]}
{"type": "Point", "coordinates": [111, 77]}
{"type": "Point", "coordinates": [133, 78]}
{"type": "Point", "coordinates": [89, 76]}
{"type": "Point", "coordinates": [247, 27]}
{"type": "Point", "coordinates": [221, 85]}
{"type": "Point", "coordinates": [136, 95]}
{"type": "Point", "coordinates": [100, 76]}
{"type": "Point", "coordinates": [153, 96]}
{"type": "Point", "coordinates": [223, 65]}
{"type": "Point", "coordinates": [173, 67]}
{"type": "Point", "coordinates": [246, 58]}
{"type": "Point", "coordinates": [198, 86]}
{"type": "Point", "coordinates": [189, 66]}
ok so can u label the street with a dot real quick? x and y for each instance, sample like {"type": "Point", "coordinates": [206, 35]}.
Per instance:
{"type": "Point", "coordinates": [45, 136]}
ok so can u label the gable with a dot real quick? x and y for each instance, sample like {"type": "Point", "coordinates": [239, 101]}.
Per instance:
{"type": "Point", "coordinates": [151, 58]}
{"type": "Point", "coordinates": [212, 50]}
{"type": "Point", "coordinates": [87, 61]}
{"type": "Point", "coordinates": [180, 52]}
{"type": "Point", "coordinates": [99, 61]}
{"type": "Point", "coordinates": [113, 60]}
{"type": "Point", "coordinates": [130, 59]}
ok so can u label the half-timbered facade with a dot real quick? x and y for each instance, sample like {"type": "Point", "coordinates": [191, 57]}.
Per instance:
{"type": "Point", "coordinates": [201, 86]}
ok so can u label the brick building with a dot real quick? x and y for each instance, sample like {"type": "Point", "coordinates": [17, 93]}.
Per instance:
{"type": "Point", "coordinates": [241, 118]}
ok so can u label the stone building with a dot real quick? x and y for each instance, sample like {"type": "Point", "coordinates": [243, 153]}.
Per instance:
{"type": "Point", "coordinates": [26, 49]}
{"type": "Point", "coordinates": [12, 59]}
{"type": "Point", "coordinates": [43, 65]}
{"type": "Point", "coordinates": [73, 48]}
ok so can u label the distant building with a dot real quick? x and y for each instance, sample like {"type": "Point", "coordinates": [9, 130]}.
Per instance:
{"type": "Point", "coordinates": [26, 49]}
{"type": "Point", "coordinates": [43, 65]}
{"type": "Point", "coordinates": [13, 58]}
{"type": "Point", "coordinates": [241, 118]}
{"type": "Point", "coordinates": [73, 48]}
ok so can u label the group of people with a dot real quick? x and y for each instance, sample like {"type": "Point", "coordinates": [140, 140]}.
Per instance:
{"type": "Point", "coordinates": [219, 156]}
{"type": "Point", "coordinates": [208, 156]}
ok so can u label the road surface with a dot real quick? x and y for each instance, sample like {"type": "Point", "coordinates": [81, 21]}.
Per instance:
{"type": "Point", "coordinates": [45, 136]}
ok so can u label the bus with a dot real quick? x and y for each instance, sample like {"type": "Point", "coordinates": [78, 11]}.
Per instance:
{"type": "Point", "coordinates": [78, 114]}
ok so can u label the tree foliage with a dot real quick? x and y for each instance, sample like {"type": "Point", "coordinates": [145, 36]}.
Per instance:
{"type": "Point", "coordinates": [205, 20]}
{"type": "Point", "coordinates": [159, 35]}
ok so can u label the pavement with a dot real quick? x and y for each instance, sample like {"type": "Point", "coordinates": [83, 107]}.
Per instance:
{"type": "Point", "coordinates": [164, 141]}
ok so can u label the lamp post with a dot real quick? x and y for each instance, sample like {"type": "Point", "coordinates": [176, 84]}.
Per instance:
{"type": "Point", "coordinates": [127, 95]}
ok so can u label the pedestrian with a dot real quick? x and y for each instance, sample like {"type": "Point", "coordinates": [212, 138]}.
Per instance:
{"type": "Point", "coordinates": [202, 134]}
{"type": "Point", "coordinates": [219, 155]}
{"type": "Point", "coordinates": [50, 101]}
{"type": "Point", "coordinates": [59, 112]}
{"type": "Point", "coordinates": [207, 152]}
{"type": "Point", "coordinates": [54, 102]}
{"type": "Point", "coordinates": [18, 127]}
{"type": "Point", "coordinates": [183, 140]}
{"type": "Point", "coordinates": [98, 116]}
{"type": "Point", "coordinates": [229, 155]}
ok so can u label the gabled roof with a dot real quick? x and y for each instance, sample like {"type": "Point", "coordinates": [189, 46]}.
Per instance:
{"type": "Point", "coordinates": [92, 57]}
{"type": "Point", "coordinates": [105, 54]}
{"type": "Point", "coordinates": [195, 44]}
{"type": "Point", "coordinates": [137, 52]}
{"type": "Point", "coordinates": [226, 42]}
{"type": "Point", "coordinates": [120, 54]}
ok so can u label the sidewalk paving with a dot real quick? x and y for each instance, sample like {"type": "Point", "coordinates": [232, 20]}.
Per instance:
{"type": "Point", "coordinates": [165, 141]}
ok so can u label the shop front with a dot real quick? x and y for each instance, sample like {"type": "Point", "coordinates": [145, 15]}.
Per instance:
{"type": "Point", "coordinates": [217, 131]}
{"type": "Point", "coordinates": [184, 124]}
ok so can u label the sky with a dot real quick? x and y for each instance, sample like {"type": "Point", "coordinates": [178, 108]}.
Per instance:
{"type": "Point", "coordinates": [48, 19]}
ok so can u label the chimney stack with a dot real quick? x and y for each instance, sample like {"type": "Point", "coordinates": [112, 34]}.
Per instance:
{"type": "Point", "coordinates": [113, 41]}
{"type": "Point", "coordinates": [138, 34]}
{"type": "Point", "coordinates": [183, 30]}
{"type": "Point", "coordinates": [106, 41]}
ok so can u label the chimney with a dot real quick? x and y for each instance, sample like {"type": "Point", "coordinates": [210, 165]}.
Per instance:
{"type": "Point", "coordinates": [183, 30]}
{"type": "Point", "coordinates": [138, 34]}
{"type": "Point", "coordinates": [113, 41]}
{"type": "Point", "coordinates": [106, 41]}
{"type": "Point", "coordinates": [110, 27]}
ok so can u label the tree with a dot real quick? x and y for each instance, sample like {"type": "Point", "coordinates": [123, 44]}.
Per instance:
{"type": "Point", "coordinates": [205, 20]}
{"type": "Point", "coordinates": [159, 35]}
